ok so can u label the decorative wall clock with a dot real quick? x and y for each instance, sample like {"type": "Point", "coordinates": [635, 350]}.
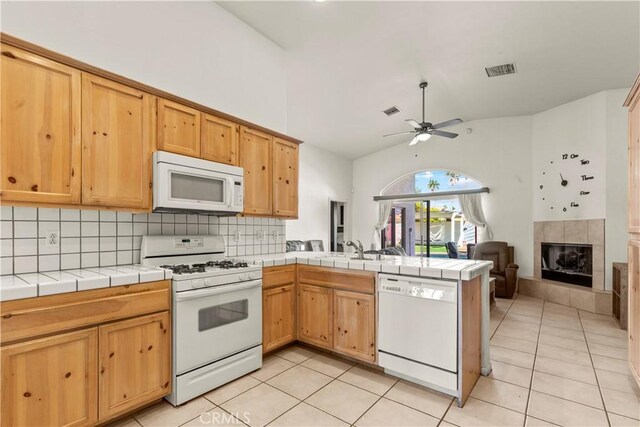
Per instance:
{"type": "Point", "coordinates": [565, 182]}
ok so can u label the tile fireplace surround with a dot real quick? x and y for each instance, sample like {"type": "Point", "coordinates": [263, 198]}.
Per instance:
{"type": "Point", "coordinates": [590, 231]}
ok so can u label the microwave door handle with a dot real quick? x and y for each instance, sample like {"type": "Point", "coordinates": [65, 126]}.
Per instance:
{"type": "Point", "coordinates": [229, 194]}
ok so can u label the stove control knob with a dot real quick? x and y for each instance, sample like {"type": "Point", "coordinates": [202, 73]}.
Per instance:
{"type": "Point", "coordinates": [254, 276]}
{"type": "Point", "coordinates": [244, 277]}
{"type": "Point", "coordinates": [208, 282]}
{"type": "Point", "coordinates": [197, 283]}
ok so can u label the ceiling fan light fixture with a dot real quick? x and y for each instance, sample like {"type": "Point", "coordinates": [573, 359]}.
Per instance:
{"type": "Point", "coordinates": [424, 137]}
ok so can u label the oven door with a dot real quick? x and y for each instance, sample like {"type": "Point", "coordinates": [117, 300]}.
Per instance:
{"type": "Point", "coordinates": [182, 187]}
{"type": "Point", "coordinates": [213, 323]}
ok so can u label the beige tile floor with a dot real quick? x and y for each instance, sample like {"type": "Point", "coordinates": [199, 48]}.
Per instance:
{"type": "Point", "coordinates": [552, 365]}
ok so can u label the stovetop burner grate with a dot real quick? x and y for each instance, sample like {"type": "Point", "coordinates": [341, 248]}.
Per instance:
{"type": "Point", "coordinates": [202, 267]}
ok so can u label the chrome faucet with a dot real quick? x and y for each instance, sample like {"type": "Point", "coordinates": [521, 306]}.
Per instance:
{"type": "Point", "coordinates": [358, 247]}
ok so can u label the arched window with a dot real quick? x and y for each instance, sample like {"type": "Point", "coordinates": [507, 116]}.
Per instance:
{"type": "Point", "coordinates": [435, 226]}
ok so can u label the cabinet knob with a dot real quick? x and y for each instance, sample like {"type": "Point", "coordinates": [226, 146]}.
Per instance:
{"type": "Point", "coordinates": [12, 180]}
{"type": "Point", "coordinates": [34, 187]}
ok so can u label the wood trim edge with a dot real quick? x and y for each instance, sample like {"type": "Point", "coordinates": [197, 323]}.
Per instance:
{"type": "Point", "coordinates": [82, 66]}
{"type": "Point", "coordinates": [632, 94]}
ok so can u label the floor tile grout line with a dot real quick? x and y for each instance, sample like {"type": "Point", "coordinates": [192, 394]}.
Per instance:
{"type": "Point", "coordinates": [595, 373]}
{"type": "Point", "coordinates": [374, 403]}
{"type": "Point", "coordinates": [533, 368]}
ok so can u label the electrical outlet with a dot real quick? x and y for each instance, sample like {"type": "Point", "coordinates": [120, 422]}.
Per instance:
{"type": "Point", "coordinates": [260, 235]}
{"type": "Point", "coordinates": [53, 239]}
{"type": "Point", "coordinates": [236, 236]}
{"type": "Point", "coordinates": [275, 234]}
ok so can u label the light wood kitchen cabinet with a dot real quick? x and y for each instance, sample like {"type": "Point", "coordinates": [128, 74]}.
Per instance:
{"type": "Point", "coordinates": [256, 159]}
{"type": "Point", "coordinates": [336, 310]}
{"type": "Point", "coordinates": [219, 140]}
{"type": "Point", "coordinates": [315, 315]}
{"type": "Point", "coordinates": [40, 151]}
{"type": "Point", "coordinates": [134, 363]}
{"type": "Point", "coordinates": [85, 357]}
{"type": "Point", "coordinates": [117, 140]}
{"type": "Point", "coordinates": [354, 324]}
{"type": "Point", "coordinates": [278, 310]}
{"type": "Point", "coordinates": [278, 306]}
{"type": "Point", "coordinates": [633, 102]}
{"type": "Point", "coordinates": [285, 178]}
{"type": "Point", "coordinates": [178, 128]}
{"type": "Point", "coordinates": [51, 381]}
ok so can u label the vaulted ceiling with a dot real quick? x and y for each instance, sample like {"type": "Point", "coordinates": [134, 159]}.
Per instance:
{"type": "Point", "coordinates": [348, 61]}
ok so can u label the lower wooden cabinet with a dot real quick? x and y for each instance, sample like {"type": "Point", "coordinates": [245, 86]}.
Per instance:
{"type": "Point", "coordinates": [334, 316]}
{"type": "Point", "coordinates": [354, 324]}
{"type": "Point", "coordinates": [51, 381]}
{"type": "Point", "coordinates": [315, 315]}
{"type": "Point", "coordinates": [278, 309]}
{"type": "Point", "coordinates": [134, 363]}
{"type": "Point", "coordinates": [108, 367]}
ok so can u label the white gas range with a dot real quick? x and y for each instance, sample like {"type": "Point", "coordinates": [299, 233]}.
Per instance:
{"type": "Point", "coordinates": [217, 312]}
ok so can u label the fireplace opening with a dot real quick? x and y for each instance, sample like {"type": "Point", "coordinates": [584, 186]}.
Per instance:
{"type": "Point", "coordinates": [568, 263]}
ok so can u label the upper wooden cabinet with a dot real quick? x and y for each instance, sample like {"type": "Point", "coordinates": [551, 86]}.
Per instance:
{"type": "Point", "coordinates": [135, 366]}
{"type": "Point", "coordinates": [178, 128]}
{"type": "Point", "coordinates": [219, 140]}
{"type": "Point", "coordinates": [51, 381]}
{"type": "Point", "coordinates": [285, 178]}
{"type": "Point", "coordinates": [117, 140]}
{"type": "Point", "coordinates": [255, 158]}
{"type": "Point", "coordinates": [40, 138]}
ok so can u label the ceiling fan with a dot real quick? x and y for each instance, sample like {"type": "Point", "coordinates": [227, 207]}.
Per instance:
{"type": "Point", "coordinates": [425, 130]}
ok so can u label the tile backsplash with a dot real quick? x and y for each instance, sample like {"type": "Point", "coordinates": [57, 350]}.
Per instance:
{"type": "Point", "coordinates": [89, 238]}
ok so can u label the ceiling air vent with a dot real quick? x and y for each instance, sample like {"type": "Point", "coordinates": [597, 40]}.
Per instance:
{"type": "Point", "coordinates": [391, 111]}
{"type": "Point", "coordinates": [501, 70]}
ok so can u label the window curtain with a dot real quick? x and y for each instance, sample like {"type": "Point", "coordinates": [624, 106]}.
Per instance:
{"type": "Point", "coordinates": [472, 209]}
{"type": "Point", "coordinates": [384, 210]}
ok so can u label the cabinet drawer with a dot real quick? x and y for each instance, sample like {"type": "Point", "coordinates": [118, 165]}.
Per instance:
{"type": "Point", "coordinates": [336, 278]}
{"type": "Point", "coordinates": [56, 313]}
{"type": "Point", "coordinates": [276, 276]}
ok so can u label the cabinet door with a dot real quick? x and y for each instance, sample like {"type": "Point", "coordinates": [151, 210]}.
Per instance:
{"type": "Point", "coordinates": [178, 128]}
{"type": "Point", "coordinates": [354, 324]}
{"type": "Point", "coordinates": [40, 137]}
{"type": "Point", "coordinates": [285, 178]}
{"type": "Point", "coordinates": [219, 141]}
{"type": "Point", "coordinates": [315, 315]}
{"type": "Point", "coordinates": [634, 307]}
{"type": "Point", "coordinates": [51, 381]}
{"type": "Point", "coordinates": [634, 168]}
{"type": "Point", "coordinates": [255, 158]}
{"type": "Point", "coordinates": [117, 142]}
{"type": "Point", "coordinates": [135, 364]}
{"type": "Point", "coordinates": [278, 312]}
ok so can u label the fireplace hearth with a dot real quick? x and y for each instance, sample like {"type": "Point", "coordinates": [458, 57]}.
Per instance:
{"type": "Point", "coordinates": [568, 262]}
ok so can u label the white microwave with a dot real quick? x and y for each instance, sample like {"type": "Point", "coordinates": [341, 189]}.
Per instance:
{"type": "Point", "coordinates": [182, 183]}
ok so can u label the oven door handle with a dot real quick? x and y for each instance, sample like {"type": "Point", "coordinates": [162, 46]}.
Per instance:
{"type": "Point", "coordinates": [217, 290]}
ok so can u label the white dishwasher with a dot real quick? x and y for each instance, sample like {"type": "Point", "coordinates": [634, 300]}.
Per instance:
{"type": "Point", "coordinates": [418, 329]}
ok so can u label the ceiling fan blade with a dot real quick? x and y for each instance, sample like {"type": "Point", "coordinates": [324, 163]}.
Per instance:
{"type": "Point", "coordinates": [447, 123]}
{"type": "Point", "coordinates": [414, 123]}
{"type": "Point", "coordinates": [414, 141]}
{"type": "Point", "coordinates": [443, 133]}
{"type": "Point", "coordinates": [399, 133]}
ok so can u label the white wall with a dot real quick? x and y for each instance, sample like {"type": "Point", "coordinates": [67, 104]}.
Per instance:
{"type": "Point", "coordinates": [196, 50]}
{"type": "Point", "coordinates": [324, 176]}
{"type": "Point", "coordinates": [497, 153]}
{"type": "Point", "coordinates": [595, 127]}
{"type": "Point", "coordinates": [576, 128]}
